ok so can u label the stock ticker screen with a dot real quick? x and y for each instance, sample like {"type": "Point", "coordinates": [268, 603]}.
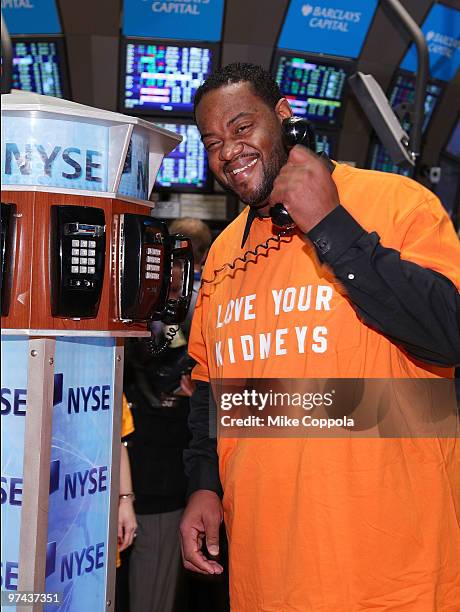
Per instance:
{"type": "Point", "coordinates": [186, 167]}
{"type": "Point", "coordinates": [314, 90]}
{"type": "Point", "coordinates": [161, 78]}
{"type": "Point", "coordinates": [402, 91]}
{"type": "Point", "coordinates": [37, 67]}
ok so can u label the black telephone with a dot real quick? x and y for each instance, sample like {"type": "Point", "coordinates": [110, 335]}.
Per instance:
{"type": "Point", "coordinates": [77, 259]}
{"type": "Point", "coordinates": [295, 131]}
{"type": "Point", "coordinates": [147, 254]}
{"type": "Point", "coordinates": [8, 251]}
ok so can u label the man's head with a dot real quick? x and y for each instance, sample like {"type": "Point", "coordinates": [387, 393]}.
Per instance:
{"type": "Point", "coordinates": [198, 232]}
{"type": "Point", "coordinates": [239, 110]}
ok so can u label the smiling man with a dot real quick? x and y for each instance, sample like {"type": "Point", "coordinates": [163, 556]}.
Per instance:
{"type": "Point", "coordinates": [338, 525]}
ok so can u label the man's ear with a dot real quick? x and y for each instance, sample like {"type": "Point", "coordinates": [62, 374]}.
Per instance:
{"type": "Point", "coordinates": [283, 110]}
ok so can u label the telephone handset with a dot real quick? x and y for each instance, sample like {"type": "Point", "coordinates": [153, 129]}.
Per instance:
{"type": "Point", "coordinates": [295, 131]}
{"type": "Point", "coordinates": [7, 246]}
{"type": "Point", "coordinates": [147, 255]}
{"type": "Point", "coordinates": [77, 259]}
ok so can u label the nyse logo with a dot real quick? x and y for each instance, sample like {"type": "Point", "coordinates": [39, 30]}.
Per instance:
{"type": "Point", "coordinates": [81, 399]}
{"type": "Point", "coordinates": [75, 563]}
{"type": "Point", "coordinates": [13, 401]}
{"type": "Point", "coordinates": [9, 576]}
{"type": "Point", "coordinates": [80, 483]}
{"type": "Point", "coordinates": [11, 491]}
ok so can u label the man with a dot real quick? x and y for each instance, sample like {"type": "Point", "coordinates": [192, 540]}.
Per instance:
{"type": "Point", "coordinates": [321, 524]}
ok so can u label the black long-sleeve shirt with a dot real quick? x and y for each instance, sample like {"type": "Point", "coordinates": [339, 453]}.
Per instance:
{"type": "Point", "coordinates": [417, 308]}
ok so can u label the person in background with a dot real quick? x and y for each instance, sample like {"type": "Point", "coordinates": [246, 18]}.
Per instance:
{"type": "Point", "coordinates": [127, 524]}
{"type": "Point", "coordinates": [158, 389]}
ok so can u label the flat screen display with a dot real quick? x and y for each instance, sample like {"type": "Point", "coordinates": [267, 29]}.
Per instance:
{"type": "Point", "coordinates": [161, 78]}
{"type": "Point", "coordinates": [186, 167]}
{"type": "Point", "coordinates": [403, 92]}
{"type": "Point", "coordinates": [380, 160]}
{"type": "Point", "coordinates": [315, 88]}
{"type": "Point", "coordinates": [38, 66]}
{"type": "Point", "coordinates": [326, 142]}
{"type": "Point", "coordinates": [453, 146]}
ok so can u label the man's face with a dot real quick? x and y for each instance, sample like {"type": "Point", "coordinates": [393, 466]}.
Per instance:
{"type": "Point", "coordinates": [243, 139]}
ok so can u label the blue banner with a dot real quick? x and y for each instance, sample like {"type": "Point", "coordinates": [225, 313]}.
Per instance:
{"type": "Point", "coordinates": [54, 153]}
{"type": "Point", "coordinates": [81, 456]}
{"type": "Point", "coordinates": [31, 16]}
{"type": "Point", "coordinates": [135, 178]}
{"type": "Point", "coordinates": [13, 413]}
{"type": "Point", "coordinates": [180, 19]}
{"type": "Point", "coordinates": [442, 33]}
{"type": "Point", "coordinates": [332, 27]}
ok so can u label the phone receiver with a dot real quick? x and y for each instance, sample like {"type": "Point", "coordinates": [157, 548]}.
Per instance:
{"type": "Point", "coordinates": [295, 131]}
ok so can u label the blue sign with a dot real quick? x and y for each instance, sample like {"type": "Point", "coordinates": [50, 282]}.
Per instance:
{"type": "Point", "coordinates": [31, 16]}
{"type": "Point", "coordinates": [442, 33]}
{"type": "Point", "coordinates": [80, 472]}
{"type": "Point", "coordinates": [180, 19]}
{"type": "Point", "coordinates": [332, 27]}
{"type": "Point", "coordinates": [54, 153]}
{"type": "Point", "coordinates": [135, 178]}
{"type": "Point", "coordinates": [13, 411]}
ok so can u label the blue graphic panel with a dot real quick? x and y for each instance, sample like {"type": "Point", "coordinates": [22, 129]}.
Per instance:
{"type": "Point", "coordinates": [332, 27]}
{"type": "Point", "coordinates": [442, 33]}
{"type": "Point", "coordinates": [197, 20]}
{"type": "Point", "coordinates": [76, 560]}
{"type": "Point", "coordinates": [54, 153]}
{"type": "Point", "coordinates": [13, 411]}
{"type": "Point", "coordinates": [135, 178]}
{"type": "Point", "coordinates": [31, 16]}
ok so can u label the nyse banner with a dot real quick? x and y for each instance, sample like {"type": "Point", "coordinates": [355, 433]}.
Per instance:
{"type": "Point", "coordinates": [13, 412]}
{"type": "Point", "coordinates": [31, 16]}
{"type": "Point", "coordinates": [332, 27]}
{"type": "Point", "coordinates": [76, 560]}
{"type": "Point", "coordinates": [135, 177]}
{"type": "Point", "coordinates": [442, 33]}
{"type": "Point", "coordinates": [54, 153]}
{"type": "Point", "coordinates": [181, 19]}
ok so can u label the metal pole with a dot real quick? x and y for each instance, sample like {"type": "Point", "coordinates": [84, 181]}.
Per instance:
{"type": "Point", "coordinates": [422, 72]}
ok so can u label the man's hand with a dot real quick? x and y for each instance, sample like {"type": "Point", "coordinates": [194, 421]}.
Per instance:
{"type": "Point", "coordinates": [201, 521]}
{"type": "Point", "coordinates": [305, 187]}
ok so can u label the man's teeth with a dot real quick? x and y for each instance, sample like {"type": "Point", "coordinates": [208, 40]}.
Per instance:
{"type": "Point", "coordinates": [238, 170]}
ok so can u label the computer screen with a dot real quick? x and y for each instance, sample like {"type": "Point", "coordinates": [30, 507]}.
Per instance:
{"type": "Point", "coordinates": [380, 160]}
{"type": "Point", "coordinates": [326, 142]}
{"type": "Point", "coordinates": [402, 91]}
{"type": "Point", "coordinates": [161, 78]}
{"type": "Point", "coordinates": [314, 87]}
{"type": "Point", "coordinates": [186, 167]}
{"type": "Point", "coordinates": [453, 145]}
{"type": "Point", "coordinates": [39, 65]}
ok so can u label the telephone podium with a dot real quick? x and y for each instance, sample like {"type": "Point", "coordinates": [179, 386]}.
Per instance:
{"type": "Point", "coordinates": [83, 266]}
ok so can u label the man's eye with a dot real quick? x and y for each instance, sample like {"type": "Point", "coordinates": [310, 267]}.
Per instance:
{"type": "Point", "coordinates": [243, 128]}
{"type": "Point", "coordinates": [210, 145]}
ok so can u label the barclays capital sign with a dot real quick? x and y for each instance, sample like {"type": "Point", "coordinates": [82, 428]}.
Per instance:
{"type": "Point", "coordinates": [180, 19]}
{"type": "Point", "coordinates": [332, 27]}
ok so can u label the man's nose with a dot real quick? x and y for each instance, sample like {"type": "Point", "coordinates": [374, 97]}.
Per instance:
{"type": "Point", "coordinates": [230, 150]}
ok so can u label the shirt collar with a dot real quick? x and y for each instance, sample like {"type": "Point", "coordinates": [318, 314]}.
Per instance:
{"type": "Point", "coordinates": [252, 214]}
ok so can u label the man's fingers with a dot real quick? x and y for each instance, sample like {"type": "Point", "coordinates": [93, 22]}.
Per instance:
{"type": "Point", "coordinates": [193, 558]}
{"type": "Point", "coordinates": [211, 528]}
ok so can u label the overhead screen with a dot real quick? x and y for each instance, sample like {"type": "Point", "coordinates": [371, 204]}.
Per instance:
{"type": "Point", "coordinates": [186, 167]}
{"type": "Point", "coordinates": [39, 65]}
{"type": "Point", "coordinates": [402, 91]}
{"type": "Point", "coordinates": [315, 88]}
{"type": "Point", "coordinates": [453, 144]}
{"type": "Point", "coordinates": [161, 77]}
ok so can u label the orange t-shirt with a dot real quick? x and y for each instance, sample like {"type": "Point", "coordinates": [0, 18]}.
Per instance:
{"type": "Point", "coordinates": [338, 525]}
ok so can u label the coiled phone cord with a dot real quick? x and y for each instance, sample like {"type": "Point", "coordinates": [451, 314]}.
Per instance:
{"type": "Point", "coordinates": [244, 259]}
{"type": "Point", "coordinates": [156, 348]}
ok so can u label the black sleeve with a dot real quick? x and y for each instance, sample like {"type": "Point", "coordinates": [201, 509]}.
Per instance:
{"type": "Point", "coordinates": [200, 459]}
{"type": "Point", "coordinates": [417, 308]}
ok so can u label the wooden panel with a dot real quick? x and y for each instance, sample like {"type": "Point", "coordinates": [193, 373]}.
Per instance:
{"type": "Point", "coordinates": [18, 316]}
